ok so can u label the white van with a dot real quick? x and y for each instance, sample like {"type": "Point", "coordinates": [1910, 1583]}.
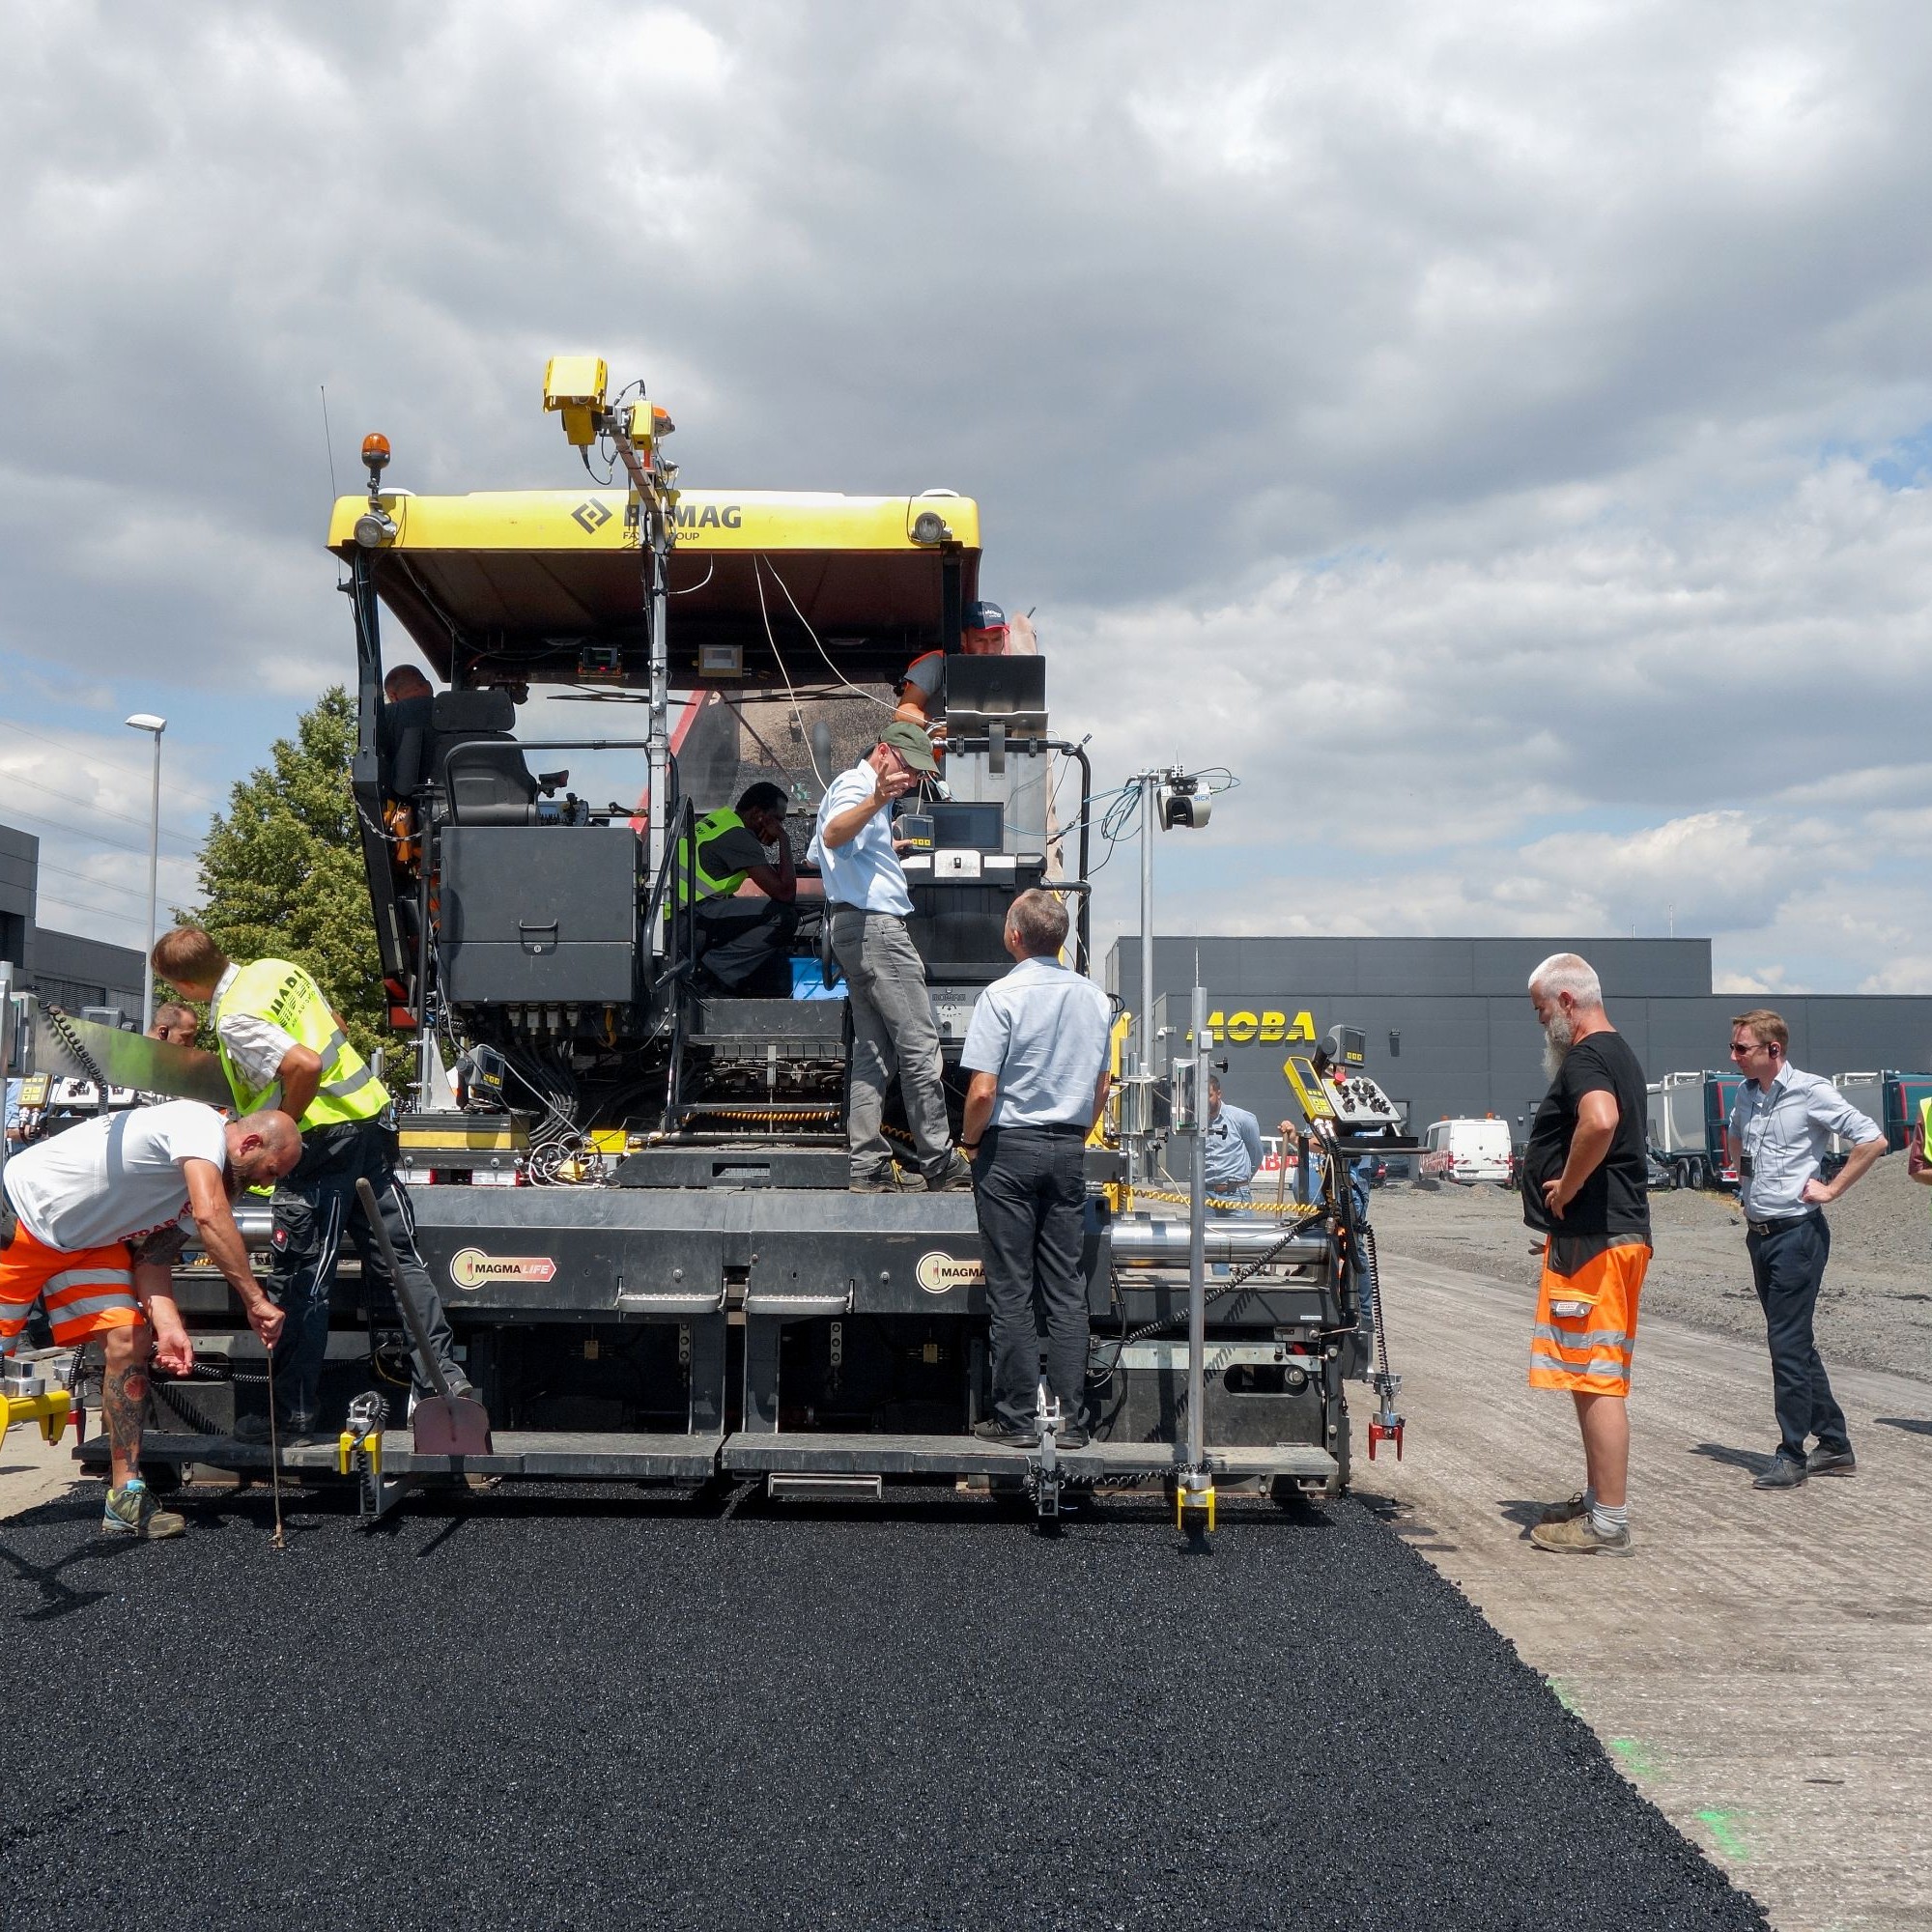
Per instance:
{"type": "Point", "coordinates": [1468, 1150]}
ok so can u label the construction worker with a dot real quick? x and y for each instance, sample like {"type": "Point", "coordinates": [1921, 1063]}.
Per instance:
{"type": "Point", "coordinates": [986, 633]}
{"type": "Point", "coordinates": [743, 942]}
{"type": "Point", "coordinates": [1783, 1122]}
{"type": "Point", "coordinates": [90, 1222]}
{"type": "Point", "coordinates": [280, 1045]}
{"type": "Point", "coordinates": [1036, 1049]}
{"type": "Point", "coordinates": [867, 904]}
{"type": "Point", "coordinates": [1584, 1187]}
{"type": "Point", "coordinates": [174, 1024]}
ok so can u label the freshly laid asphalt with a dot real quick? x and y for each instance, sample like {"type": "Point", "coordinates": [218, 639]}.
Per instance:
{"type": "Point", "coordinates": [533, 1708]}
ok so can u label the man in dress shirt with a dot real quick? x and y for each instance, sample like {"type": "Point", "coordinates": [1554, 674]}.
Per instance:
{"type": "Point", "coordinates": [1783, 1122]}
{"type": "Point", "coordinates": [867, 904]}
{"type": "Point", "coordinates": [1036, 1050]}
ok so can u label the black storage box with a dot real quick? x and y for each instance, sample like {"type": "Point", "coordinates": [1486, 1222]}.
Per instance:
{"type": "Point", "coordinates": [540, 915]}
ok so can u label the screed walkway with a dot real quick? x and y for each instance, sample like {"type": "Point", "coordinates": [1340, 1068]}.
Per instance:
{"type": "Point", "coordinates": [1762, 1665]}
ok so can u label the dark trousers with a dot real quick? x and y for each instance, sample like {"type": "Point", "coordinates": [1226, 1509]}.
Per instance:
{"type": "Point", "coordinates": [745, 946]}
{"type": "Point", "coordinates": [315, 1205]}
{"type": "Point", "coordinates": [1787, 1266]}
{"type": "Point", "coordinates": [1029, 1192]}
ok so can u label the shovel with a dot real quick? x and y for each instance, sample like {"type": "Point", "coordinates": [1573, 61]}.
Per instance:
{"type": "Point", "coordinates": [444, 1424]}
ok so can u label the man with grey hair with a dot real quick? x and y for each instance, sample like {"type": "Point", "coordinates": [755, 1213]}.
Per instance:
{"type": "Point", "coordinates": [1036, 1050]}
{"type": "Point", "coordinates": [1585, 1176]}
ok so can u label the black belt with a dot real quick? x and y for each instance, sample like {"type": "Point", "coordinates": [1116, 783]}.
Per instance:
{"type": "Point", "coordinates": [1783, 1221]}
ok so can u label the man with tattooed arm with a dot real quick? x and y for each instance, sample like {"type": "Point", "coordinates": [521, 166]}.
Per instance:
{"type": "Point", "coordinates": [92, 1221]}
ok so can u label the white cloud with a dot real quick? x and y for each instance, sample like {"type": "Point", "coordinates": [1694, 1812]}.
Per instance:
{"type": "Point", "coordinates": [1455, 421]}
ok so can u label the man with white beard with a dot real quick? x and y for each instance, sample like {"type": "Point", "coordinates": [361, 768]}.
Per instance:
{"type": "Point", "coordinates": [1584, 1186]}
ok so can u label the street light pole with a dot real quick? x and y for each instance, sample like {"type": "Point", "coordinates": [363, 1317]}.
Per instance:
{"type": "Point", "coordinates": [146, 721]}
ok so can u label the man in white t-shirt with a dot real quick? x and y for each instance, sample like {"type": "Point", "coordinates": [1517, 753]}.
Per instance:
{"type": "Point", "coordinates": [867, 904]}
{"type": "Point", "coordinates": [92, 1220]}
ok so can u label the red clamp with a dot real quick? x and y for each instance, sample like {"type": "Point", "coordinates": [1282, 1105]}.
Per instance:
{"type": "Point", "coordinates": [1384, 1432]}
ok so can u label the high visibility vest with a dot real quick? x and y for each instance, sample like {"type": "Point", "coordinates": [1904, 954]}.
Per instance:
{"type": "Point", "coordinates": [709, 885]}
{"type": "Point", "coordinates": [285, 996]}
{"type": "Point", "coordinates": [1925, 1130]}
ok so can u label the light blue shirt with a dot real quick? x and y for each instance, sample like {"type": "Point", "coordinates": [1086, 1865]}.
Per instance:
{"type": "Point", "coordinates": [1042, 1030]}
{"type": "Point", "coordinates": [864, 872]}
{"type": "Point", "coordinates": [1784, 1131]}
{"type": "Point", "coordinates": [1233, 1139]}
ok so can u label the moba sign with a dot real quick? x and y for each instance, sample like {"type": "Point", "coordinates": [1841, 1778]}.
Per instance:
{"type": "Point", "coordinates": [1241, 1027]}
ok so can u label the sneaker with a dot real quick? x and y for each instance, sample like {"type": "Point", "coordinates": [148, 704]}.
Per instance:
{"type": "Point", "coordinates": [956, 1179]}
{"type": "Point", "coordinates": [1566, 1512]}
{"type": "Point", "coordinates": [1822, 1461]}
{"type": "Point", "coordinates": [1578, 1535]}
{"type": "Point", "coordinates": [993, 1429]}
{"type": "Point", "coordinates": [1782, 1472]}
{"type": "Point", "coordinates": [131, 1512]}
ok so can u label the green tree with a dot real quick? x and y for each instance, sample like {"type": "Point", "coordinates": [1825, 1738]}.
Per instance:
{"type": "Point", "coordinates": [281, 872]}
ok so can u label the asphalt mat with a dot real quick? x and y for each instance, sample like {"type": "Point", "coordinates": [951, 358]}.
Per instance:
{"type": "Point", "coordinates": [531, 1709]}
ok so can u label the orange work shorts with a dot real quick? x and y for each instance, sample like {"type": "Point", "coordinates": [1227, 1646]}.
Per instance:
{"type": "Point", "coordinates": [87, 1290]}
{"type": "Point", "coordinates": [1590, 1350]}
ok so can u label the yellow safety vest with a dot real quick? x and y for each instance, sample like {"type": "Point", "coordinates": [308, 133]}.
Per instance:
{"type": "Point", "coordinates": [285, 996]}
{"type": "Point", "coordinates": [719, 886]}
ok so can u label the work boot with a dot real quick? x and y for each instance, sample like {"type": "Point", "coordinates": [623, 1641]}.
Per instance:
{"type": "Point", "coordinates": [298, 1431]}
{"type": "Point", "coordinates": [993, 1429]}
{"type": "Point", "coordinates": [1566, 1512]}
{"type": "Point", "coordinates": [955, 1178]}
{"type": "Point", "coordinates": [1578, 1535]}
{"type": "Point", "coordinates": [131, 1512]}
{"type": "Point", "coordinates": [881, 1180]}
{"type": "Point", "coordinates": [1822, 1461]}
{"type": "Point", "coordinates": [1782, 1472]}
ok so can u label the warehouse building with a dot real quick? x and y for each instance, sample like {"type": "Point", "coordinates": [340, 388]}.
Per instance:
{"type": "Point", "coordinates": [63, 968]}
{"type": "Point", "coordinates": [1450, 1029]}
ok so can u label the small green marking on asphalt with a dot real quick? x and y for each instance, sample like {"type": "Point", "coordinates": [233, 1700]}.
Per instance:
{"type": "Point", "coordinates": [1634, 1758]}
{"type": "Point", "coordinates": [1724, 1832]}
{"type": "Point", "coordinates": [1560, 1690]}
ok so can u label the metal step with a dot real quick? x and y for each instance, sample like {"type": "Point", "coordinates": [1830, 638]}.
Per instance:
{"type": "Point", "coordinates": [882, 1455]}
{"type": "Point", "coordinates": [532, 1454]}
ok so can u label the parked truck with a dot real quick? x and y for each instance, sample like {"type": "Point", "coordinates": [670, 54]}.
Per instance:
{"type": "Point", "coordinates": [1690, 1114]}
{"type": "Point", "coordinates": [1891, 1098]}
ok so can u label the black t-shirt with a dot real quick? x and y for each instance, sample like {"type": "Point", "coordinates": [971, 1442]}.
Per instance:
{"type": "Point", "coordinates": [1614, 1199]}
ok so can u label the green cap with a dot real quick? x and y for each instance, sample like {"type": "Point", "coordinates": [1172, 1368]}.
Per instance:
{"type": "Point", "coordinates": [911, 743]}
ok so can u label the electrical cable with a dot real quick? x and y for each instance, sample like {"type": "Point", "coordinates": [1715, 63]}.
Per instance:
{"type": "Point", "coordinates": [798, 715]}
{"type": "Point", "coordinates": [813, 636]}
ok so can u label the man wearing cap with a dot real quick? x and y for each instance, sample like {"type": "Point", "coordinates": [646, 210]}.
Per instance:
{"type": "Point", "coordinates": [867, 905]}
{"type": "Point", "coordinates": [743, 939]}
{"type": "Point", "coordinates": [922, 692]}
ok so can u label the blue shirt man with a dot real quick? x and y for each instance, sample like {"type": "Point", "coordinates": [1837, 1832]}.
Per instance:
{"type": "Point", "coordinates": [1036, 1049]}
{"type": "Point", "coordinates": [1234, 1140]}
{"type": "Point", "coordinates": [1783, 1120]}
{"type": "Point", "coordinates": [867, 906]}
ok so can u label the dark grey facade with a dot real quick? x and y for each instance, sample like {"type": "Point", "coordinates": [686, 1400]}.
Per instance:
{"type": "Point", "coordinates": [62, 966]}
{"type": "Point", "coordinates": [1450, 1028]}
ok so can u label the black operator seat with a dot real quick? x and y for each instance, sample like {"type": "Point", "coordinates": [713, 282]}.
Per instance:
{"type": "Point", "coordinates": [469, 754]}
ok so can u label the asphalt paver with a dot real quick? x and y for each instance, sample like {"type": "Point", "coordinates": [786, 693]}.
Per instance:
{"type": "Point", "coordinates": [585, 1709]}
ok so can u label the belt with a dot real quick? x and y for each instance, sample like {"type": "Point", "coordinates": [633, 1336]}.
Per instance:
{"type": "Point", "coordinates": [1772, 1226]}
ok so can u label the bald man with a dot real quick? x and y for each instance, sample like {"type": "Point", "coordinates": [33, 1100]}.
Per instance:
{"type": "Point", "coordinates": [93, 1220]}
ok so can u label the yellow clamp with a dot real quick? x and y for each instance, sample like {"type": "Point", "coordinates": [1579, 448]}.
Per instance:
{"type": "Point", "coordinates": [347, 1444]}
{"type": "Point", "coordinates": [50, 1410]}
{"type": "Point", "coordinates": [1185, 1499]}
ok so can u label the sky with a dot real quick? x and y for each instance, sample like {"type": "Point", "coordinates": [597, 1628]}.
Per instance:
{"type": "Point", "coordinates": [1499, 436]}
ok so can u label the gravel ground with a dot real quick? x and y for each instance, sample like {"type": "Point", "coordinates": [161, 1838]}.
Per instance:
{"type": "Point", "coordinates": [532, 1711]}
{"type": "Point", "coordinates": [1874, 1309]}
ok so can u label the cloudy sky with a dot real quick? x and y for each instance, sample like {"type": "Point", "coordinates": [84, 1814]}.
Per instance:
{"type": "Point", "coordinates": [1497, 434]}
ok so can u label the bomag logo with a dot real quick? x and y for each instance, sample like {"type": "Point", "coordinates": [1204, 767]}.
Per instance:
{"type": "Point", "coordinates": [471, 1267]}
{"type": "Point", "coordinates": [710, 517]}
{"type": "Point", "coordinates": [940, 1273]}
{"type": "Point", "coordinates": [1240, 1028]}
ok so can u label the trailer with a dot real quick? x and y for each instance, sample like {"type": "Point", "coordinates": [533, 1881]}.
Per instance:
{"type": "Point", "coordinates": [1688, 1120]}
{"type": "Point", "coordinates": [632, 1192]}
